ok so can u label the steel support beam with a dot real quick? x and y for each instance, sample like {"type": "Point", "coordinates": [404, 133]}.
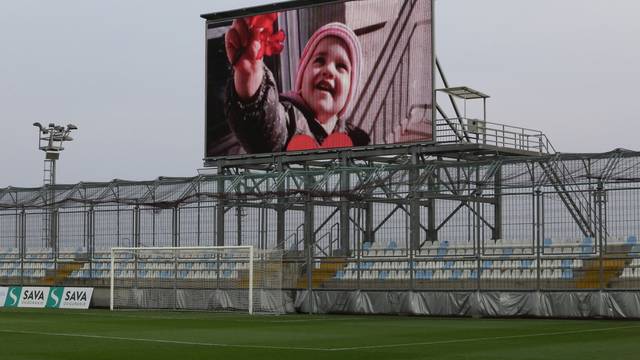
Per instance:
{"type": "Point", "coordinates": [497, 208]}
{"type": "Point", "coordinates": [345, 183]}
{"type": "Point", "coordinates": [220, 209]}
{"type": "Point", "coordinates": [414, 206]}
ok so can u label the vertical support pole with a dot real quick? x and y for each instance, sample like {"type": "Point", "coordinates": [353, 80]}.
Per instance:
{"type": "Point", "coordinates": [599, 201]}
{"type": "Point", "coordinates": [175, 227]}
{"type": "Point", "coordinates": [239, 212]}
{"type": "Point", "coordinates": [54, 233]}
{"type": "Point", "coordinates": [497, 208]}
{"type": "Point", "coordinates": [175, 279]}
{"type": "Point", "coordinates": [22, 242]}
{"type": "Point", "coordinates": [539, 239]}
{"type": "Point", "coordinates": [51, 194]}
{"type": "Point", "coordinates": [477, 230]}
{"type": "Point", "coordinates": [264, 218]}
{"type": "Point", "coordinates": [414, 205]}
{"type": "Point", "coordinates": [478, 240]}
{"type": "Point", "coordinates": [432, 232]}
{"type": "Point", "coordinates": [281, 205]}
{"type": "Point", "coordinates": [251, 263]}
{"type": "Point", "coordinates": [91, 232]}
{"type": "Point", "coordinates": [136, 226]}
{"type": "Point", "coordinates": [309, 237]}
{"type": "Point", "coordinates": [359, 251]}
{"type": "Point", "coordinates": [370, 236]}
{"type": "Point", "coordinates": [414, 215]}
{"type": "Point", "coordinates": [220, 209]}
{"type": "Point", "coordinates": [199, 217]}
{"type": "Point", "coordinates": [111, 277]}
{"type": "Point", "coordinates": [345, 242]}
{"type": "Point", "coordinates": [238, 224]}
{"type": "Point", "coordinates": [118, 226]}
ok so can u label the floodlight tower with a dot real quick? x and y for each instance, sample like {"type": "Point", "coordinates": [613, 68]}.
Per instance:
{"type": "Point", "coordinates": [50, 140]}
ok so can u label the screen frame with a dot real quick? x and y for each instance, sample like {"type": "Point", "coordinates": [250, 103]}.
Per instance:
{"type": "Point", "coordinates": [226, 16]}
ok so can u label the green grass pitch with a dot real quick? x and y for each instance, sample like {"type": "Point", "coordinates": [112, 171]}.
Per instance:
{"type": "Point", "coordinates": [100, 334]}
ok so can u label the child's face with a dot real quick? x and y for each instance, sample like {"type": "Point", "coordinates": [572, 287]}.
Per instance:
{"type": "Point", "coordinates": [327, 78]}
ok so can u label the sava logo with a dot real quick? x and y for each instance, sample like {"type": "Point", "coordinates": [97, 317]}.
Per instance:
{"type": "Point", "coordinates": [55, 296]}
{"type": "Point", "coordinates": [13, 296]}
{"type": "Point", "coordinates": [34, 297]}
{"type": "Point", "coordinates": [76, 298]}
{"type": "Point", "coordinates": [37, 295]}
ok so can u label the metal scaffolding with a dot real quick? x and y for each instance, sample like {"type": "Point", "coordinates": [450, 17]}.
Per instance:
{"type": "Point", "coordinates": [394, 214]}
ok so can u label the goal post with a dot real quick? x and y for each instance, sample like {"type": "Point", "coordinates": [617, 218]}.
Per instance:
{"type": "Point", "coordinates": [213, 278]}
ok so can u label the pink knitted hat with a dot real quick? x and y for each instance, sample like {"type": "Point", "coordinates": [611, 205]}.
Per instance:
{"type": "Point", "coordinates": [345, 34]}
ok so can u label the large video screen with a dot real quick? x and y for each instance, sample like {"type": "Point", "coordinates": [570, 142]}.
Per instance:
{"type": "Point", "coordinates": [339, 75]}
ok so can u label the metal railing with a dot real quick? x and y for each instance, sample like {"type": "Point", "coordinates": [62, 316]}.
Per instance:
{"type": "Point", "coordinates": [473, 131]}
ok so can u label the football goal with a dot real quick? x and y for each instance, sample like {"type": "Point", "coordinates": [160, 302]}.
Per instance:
{"type": "Point", "coordinates": [215, 278]}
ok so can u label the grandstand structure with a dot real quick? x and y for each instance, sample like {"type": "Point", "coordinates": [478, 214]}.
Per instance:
{"type": "Point", "coordinates": [399, 230]}
{"type": "Point", "coordinates": [487, 219]}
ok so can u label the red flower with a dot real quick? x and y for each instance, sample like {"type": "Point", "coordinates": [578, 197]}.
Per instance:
{"type": "Point", "coordinates": [262, 26]}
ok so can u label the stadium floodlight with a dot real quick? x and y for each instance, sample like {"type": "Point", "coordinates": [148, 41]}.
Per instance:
{"type": "Point", "coordinates": [50, 140]}
{"type": "Point", "coordinates": [212, 278]}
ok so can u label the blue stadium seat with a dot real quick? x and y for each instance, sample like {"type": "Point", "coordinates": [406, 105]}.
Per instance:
{"type": "Point", "coordinates": [424, 274]}
{"type": "Point", "coordinates": [526, 263]}
{"type": "Point", "coordinates": [456, 274]}
{"type": "Point", "coordinates": [366, 265]}
{"type": "Point", "coordinates": [474, 274]}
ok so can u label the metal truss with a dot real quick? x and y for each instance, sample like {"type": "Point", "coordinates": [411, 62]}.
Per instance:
{"type": "Point", "coordinates": [431, 196]}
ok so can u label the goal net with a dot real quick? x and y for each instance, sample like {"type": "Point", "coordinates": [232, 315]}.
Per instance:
{"type": "Point", "coordinates": [218, 278]}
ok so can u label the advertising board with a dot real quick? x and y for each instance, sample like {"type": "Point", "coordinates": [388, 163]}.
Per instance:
{"type": "Point", "coordinates": [49, 297]}
{"type": "Point", "coordinates": [343, 74]}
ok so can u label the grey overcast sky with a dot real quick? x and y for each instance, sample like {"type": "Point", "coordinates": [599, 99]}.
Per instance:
{"type": "Point", "coordinates": [130, 74]}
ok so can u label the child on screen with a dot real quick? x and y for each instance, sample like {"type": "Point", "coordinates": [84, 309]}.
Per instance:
{"type": "Point", "coordinates": [310, 117]}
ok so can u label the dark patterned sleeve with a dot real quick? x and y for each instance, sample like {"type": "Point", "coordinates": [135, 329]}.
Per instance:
{"type": "Point", "coordinates": [260, 124]}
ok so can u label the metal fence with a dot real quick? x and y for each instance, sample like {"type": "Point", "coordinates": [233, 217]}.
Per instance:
{"type": "Point", "coordinates": [558, 222]}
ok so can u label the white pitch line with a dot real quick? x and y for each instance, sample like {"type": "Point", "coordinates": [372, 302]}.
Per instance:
{"type": "Point", "coordinates": [454, 341]}
{"type": "Point", "coordinates": [207, 317]}
{"type": "Point", "coordinates": [267, 347]}
{"type": "Point", "coordinates": [177, 342]}
{"type": "Point", "coordinates": [302, 320]}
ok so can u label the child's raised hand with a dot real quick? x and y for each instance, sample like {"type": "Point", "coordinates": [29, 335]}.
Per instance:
{"type": "Point", "coordinates": [243, 45]}
{"type": "Point", "coordinates": [246, 42]}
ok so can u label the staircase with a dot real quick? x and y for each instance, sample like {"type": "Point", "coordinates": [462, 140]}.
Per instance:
{"type": "Point", "coordinates": [569, 192]}
{"type": "Point", "coordinates": [590, 279]}
{"type": "Point", "coordinates": [324, 272]}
